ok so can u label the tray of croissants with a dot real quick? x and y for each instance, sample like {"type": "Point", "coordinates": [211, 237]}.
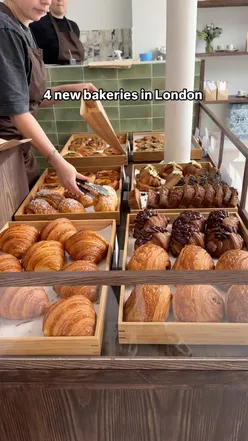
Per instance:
{"type": "Point", "coordinates": [49, 200]}
{"type": "Point", "coordinates": [190, 314]}
{"type": "Point", "coordinates": [90, 149]}
{"type": "Point", "coordinates": [178, 187]}
{"type": "Point", "coordinates": [33, 320]}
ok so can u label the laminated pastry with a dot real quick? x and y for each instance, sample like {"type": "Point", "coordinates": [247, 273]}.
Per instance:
{"type": "Point", "coordinates": [188, 196]}
{"type": "Point", "coordinates": [148, 178]}
{"type": "Point", "coordinates": [43, 256]}
{"type": "Point", "coordinates": [113, 175]}
{"type": "Point", "coordinates": [173, 179]}
{"type": "Point", "coordinates": [53, 198]}
{"type": "Point", "coordinates": [106, 203]}
{"type": "Point", "coordinates": [59, 229]}
{"type": "Point", "coordinates": [192, 168]}
{"type": "Point", "coordinates": [85, 199]}
{"type": "Point", "coordinates": [23, 303]}
{"type": "Point", "coordinates": [88, 291]}
{"type": "Point", "coordinates": [152, 199]}
{"type": "Point", "coordinates": [209, 196]}
{"type": "Point", "coordinates": [219, 196]}
{"type": "Point", "coordinates": [198, 199]}
{"type": "Point", "coordinates": [149, 218]}
{"type": "Point", "coordinates": [51, 178]}
{"type": "Point", "coordinates": [156, 235]}
{"type": "Point", "coordinates": [87, 245]}
{"type": "Point", "coordinates": [185, 234]}
{"type": "Point", "coordinates": [53, 187]}
{"type": "Point", "coordinates": [193, 257]}
{"type": "Point", "coordinates": [164, 197]}
{"type": "Point", "coordinates": [221, 240]}
{"type": "Point", "coordinates": [40, 206]}
{"type": "Point", "coordinates": [193, 218]}
{"type": "Point", "coordinates": [175, 197]}
{"type": "Point", "coordinates": [68, 205]}
{"type": "Point", "coordinates": [169, 168]}
{"type": "Point", "coordinates": [149, 257]}
{"type": "Point", "coordinates": [111, 151]}
{"type": "Point", "coordinates": [17, 239]}
{"type": "Point", "coordinates": [72, 154]}
{"type": "Point", "coordinates": [9, 264]}
{"type": "Point", "coordinates": [134, 199]}
{"type": "Point", "coordinates": [221, 218]}
{"type": "Point", "coordinates": [91, 176]}
{"type": "Point", "coordinates": [233, 260]}
{"type": "Point", "coordinates": [108, 181]}
{"type": "Point", "coordinates": [198, 303]}
{"type": "Point", "coordinates": [71, 317]}
{"type": "Point", "coordinates": [148, 303]}
{"type": "Point", "coordinates": [236, 302]}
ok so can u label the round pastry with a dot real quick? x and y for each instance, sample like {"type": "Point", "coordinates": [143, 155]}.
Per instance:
{"type": "Point", "coordinates": [169, 168]}
{"type": "Point", "coordinates": [59, 229]}
{"type": "Point", "coordinates": [175, 197]}
{"type": "Point", "coordinates": [192, 168]}
{"type": "Point", "coordinates": [219, 218]}
{"type": "Point", "coordinates": [149, 257]}
{"type": "Point", "coordinates": [73, 317]}
{"type": "Point", "coordinates": [209, 196]}
{"type": "Point", "coordinates": [185, 234]}
{"type": "Point", "coordinates": [221, 240]}
{"type": "Point", "coordinates": [91, 176]}
{"type": "Point", "coordinates": [70, 206]}
{"type": "Point", "coordinates": [156, 235]}
{"type": "Point", "coordinates": [152, 199]}
{"type": "Point", "coordinates": [17, 239]}
{"type": "Point", "coordinates": [237, 304]}
{"type": "Point", "coordinates": [9, 264]}
{"type": "Point", "coordinates": [193, 257]}
{"type": "Point", "coordinates": [85, 199]}
{"type": "Point", "coordinates": [188, 196]}
{"type": "Point", "coordinates": [219, 196]}
{"type": "Point", "coordinates": [88, 291]}
{"type": "Point", "coordinates": [149, 218]}
{"type": "Point", "coordinates": [114, 175]}
{"type": "Point", "coordinates": [53, 198]}
{"type": "Point", "coordinates": [51, 178]}
{"type": "Point", "coordinates": [87, 245]}
{"type": "Point", "coordinates": [233, 260]}
{"type": "Point", "coordinates": [106, 203]}
{"type": "Point", "coordinates": [198, 303]}
{"type": "Point", "coordinates": [40, 206]}
{"type": "Point", "coordinates": [44, 256]}
{"type": "Point", "coordinates": [199, 196]}
{"type": "Point", "coordinates": [193, 218]}
{"type": "Point", "coordinates": [23, 303]}
{"type": "Point", "coordinates": [164, 197]}
{"type": "Point", "coordinates": [148, 303]}
{"type": "Point", "coordinates": [107, 181]}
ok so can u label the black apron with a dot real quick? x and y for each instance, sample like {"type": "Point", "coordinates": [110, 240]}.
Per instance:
{"type": "Point", "coordinates": [68, 43]}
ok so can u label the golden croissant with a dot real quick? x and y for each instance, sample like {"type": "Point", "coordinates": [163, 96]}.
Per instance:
{"type": "Point", "coordinates": [44, 256]}
{"type": "Point", "coordinates": [193, 257]}
{"type": "Point", "coordinates": [9, 264]}
{"type": "Point", "coordinates": [59, 229]}
{"type": "Point", "coordinates": [106, 203]}
{"type": "Point", "coordinates": [18, 239]}
{"type": "Point", "coordinates": [74, 316]}
{"type": "Point", "coordinates": [149, 257]}
{"type": "Point", "coordinates": [23, 303]}
{"type": "Point", "coordinates": [85, 199]}
{"type": "Point", "coordinates": [87, 245]}
{"type": "Point", "coordinates": [88, 291]}
{"type": "Point", "coordinates": [148, 303]}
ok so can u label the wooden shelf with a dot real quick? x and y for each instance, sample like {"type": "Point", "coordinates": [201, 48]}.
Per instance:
{"type": "Point", "coordinates": [221, 3]}
{"type": "Point", "coordinates": [232, 99]}
{"type": "Point", "coordinates": [221, 54]}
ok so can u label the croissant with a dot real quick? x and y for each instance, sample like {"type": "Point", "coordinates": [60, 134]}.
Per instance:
{"type": "Point", "coordinates": [40, 206]}
{"type": "Point", "coordinates": [193, 257]}
{"type": "Point", "coordinates": [192, 168]}
{"type": "Point", "coordinates": [188, 196]}
{"type": "Point", "coordinates": [59, 230]}
{"type": "Point", "coordinates": [87, 245]}
{"type": "Point", "coordinates": [164, 197]}
{"type": "Point", "coordinates": [221, 240]}
{"type": "Point", "coordinates": [53, 198]}
{"type": "Point", "coordinates": [209, 195]}
{"type": "Point", "coordinates": [53, 187]}
{"type": "Point", "coordinates": [106, 203]}
{"type": "Point", "coordinates": [70, 206]}
{"type": "Point", "coordinates": [156, 235]}
{"type": "Point", "coordinates": [169, 168]}
{"type": "Point", "coordinates": [198, 303]}
{"type": "Point", "coordinates": [44, 256]}
{"type": "Point", "coordinates": [185, 234]}
{"type": "Point", "coordinates": [219, 196]}
{"type": "Point", "coordinates": [9, 264]}
{"type": "Point", "coordinates": [74, 317]}
{"type": "Point", "coordinates": [18, 239]}
{"type": "Point", "coordinates": [148, 304]}
{"type": "Point", "coordinates": [23, 303]}
{"type": "Point", "coordinates": [175, 197]}
{"type": "Point", "coordinates": [193, 218]}
{"type": "Point", "coordinates": [149, 175]}
{"type": "Point", "coordinates": [233, 260]}
{"type": "Point", "coordinates": [221, 218]}
{"type": "Point", "coordinates": [85, 199]}
{"type": "Point", "coordinates": [237, 304]}
{"type": "Point", "coordinates": [149, 218]}
{"type": "Point", "coordinates": [199, 196]}
{"type": "Point", "coordinates": [149, 257]}
{"type": "Point", "coordinates": [88, 291]}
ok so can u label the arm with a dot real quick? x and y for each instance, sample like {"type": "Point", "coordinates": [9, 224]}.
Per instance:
{"type": "Point", "coordinates": [67, 88]}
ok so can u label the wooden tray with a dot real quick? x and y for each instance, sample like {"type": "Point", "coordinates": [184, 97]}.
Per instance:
{"type": "Point", "coordinates": [98, 160]}
{"type": "Point", "coordinates": [172, 332]}
{"type": "Point", "coordinates": [39, 345]}
{"type": "Point", "coordinates": [196, 150]}
{"type": "Point", "coordinates": [20, 214]}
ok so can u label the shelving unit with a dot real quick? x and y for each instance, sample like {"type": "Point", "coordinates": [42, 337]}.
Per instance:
{"type": "Point", "coordinates": [221, 3]}
{"type": "Point", "coordinates": [221, 54]}
{"type": "Point", "coordinates": [232, 99]}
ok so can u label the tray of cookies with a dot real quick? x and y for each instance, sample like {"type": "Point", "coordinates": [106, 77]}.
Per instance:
{"type": "Point", "coordinates": [194, 314]}
{"type": "Point", "coordinates": [149, 146]}
{"type": "Point", "coordinates": [59, 320]}
{"type": "Point", "coordinates": [48, 200]}
{"type": "Point", "coordinates": [89, 149]}
{"type": "Point", "coordinates": [179, 187]}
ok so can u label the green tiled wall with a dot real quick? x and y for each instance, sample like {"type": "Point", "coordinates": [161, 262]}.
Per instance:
{"type": "Point", "coordinates": [60, 121]}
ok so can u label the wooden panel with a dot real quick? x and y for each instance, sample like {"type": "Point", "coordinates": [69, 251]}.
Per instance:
{"type": "Point", "coordinates": [220, 54]}
{"type": "Point", "coordinates": [221, 3]}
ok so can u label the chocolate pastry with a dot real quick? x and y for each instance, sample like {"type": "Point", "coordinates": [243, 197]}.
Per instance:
{"type": "Point", "coordinates": [188, 196]}
{"type": "Point", "coordinates": [134, 199]}
{"type": "Point", "coordinates": [149, 218]}
{"type": "Point", "coordinates": [219, 218]}
{"type": "Point", "coordinates": [219, 196]}
{"type": "Point", "coordinates": [227, 195]}
{"type": "Point", "coordinates": [164, 197]}
{"type": "Point", "coordinates": [193, 218]}
{"type": "Point", "coordinates": [161, 220]}
{"type": "Point", "coordinates": [234, 198]}
{"type": "Point", "coordinates": [221, 240]}
{"type": "Point", "coordinates": [149, 175]}
{"type": "Point", "coordinates": [185, 234]}
{"type": "Point", "coordinates": [199, 196]}
{"type": "Point", "coordinates": [192, 168]}
{"type": "Point", "coordinates": [209, 195]}
{"type": "Point", "coordinates": [156, 235]}
{"type": "Point", "coordinates": [153, 199]}
{"type": "Point", "coordinates": [175, 197]}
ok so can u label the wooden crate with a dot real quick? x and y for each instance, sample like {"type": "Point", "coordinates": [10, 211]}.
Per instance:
{"type": "Point", "coordinates": [66, 345]}
{"type": "Point", "coordinates": [196, 150]}
{"type": "Point", "coordinates": [205, 165]}
{"type": "Point", "coordinates": [21, 215]}
{"type": "Point", "coordinates": [172, 332]}
{"type": "Point", "coordinates": [101, 161]}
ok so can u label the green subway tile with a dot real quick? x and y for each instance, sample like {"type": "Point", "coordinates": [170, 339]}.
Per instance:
{"type": "Point", "coordinates": [71, 127]}
{"type": "Point", "coordinates": [116, 125]}
{"type": "Point", "coordinates": [43, 164]}
{"type": "Point", "coordinates": [53, 138]}
{"type": "Point", "coordinates": [134, 85]}
{"type": "Point", "coordinates": [48, 126]}
{"type": "Point", "coordinates": [114, 103]}
{"type": "Point", "coordinates": [136, 125]}
{"type": "Point", "coordinates": [136, 71]}
{"type": "Point", "coordinates": [71, 104]}
{"type": "Point", "coordinates": [197, 83]}
{"type": "Point", "coordinates": [66, 73]}
{"type": "Point", "coordinates": [134, 103]}
{"type": "Point", "coordinates": [48, 78]}
{"type": "Point", "coordinates": [107, 85]}
{"type": "Point", "coordinates": [197, 68]}
{"type": "Point", "coordinates": [64, 83]}
{"type": "Point", "coordinates": [158, 83]}
{"type": "Point", "coordinates": [45, 114]}
{"type": "Point", "coordinates": [112, 112]}
{"type": "Point", "coordinates": [68, 114]}
{"type": "Point", "coordinates": [158, 110]}
{"type": "Point", "coordinates": [158, 70]}
{"type": "Point", "coordinates": [158, 124]}
{"type": "Point", "coordinates": [136, 111]}
{"type": "Point", "coordinates": [90, 75]}
{"type": "Point", "coordinates": [157, 101]}
{"type": "Point", "coordinates": [63, 138]}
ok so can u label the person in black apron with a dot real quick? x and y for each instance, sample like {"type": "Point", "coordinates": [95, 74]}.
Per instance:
{"type": "Point", "coordinates": [22, 88]}
{"type": "Point", "coordinates": [57, 36]}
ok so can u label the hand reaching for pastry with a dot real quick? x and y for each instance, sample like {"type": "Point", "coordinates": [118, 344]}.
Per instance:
{"type": "Point", "coordinates": [67, 175]}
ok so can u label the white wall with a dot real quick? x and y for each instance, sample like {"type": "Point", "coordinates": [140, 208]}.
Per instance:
{"type": "Point", "coordinates": [101, 14]}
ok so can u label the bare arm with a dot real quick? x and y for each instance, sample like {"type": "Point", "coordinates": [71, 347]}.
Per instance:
{"type": "Point", "coordinates": [66, 88]}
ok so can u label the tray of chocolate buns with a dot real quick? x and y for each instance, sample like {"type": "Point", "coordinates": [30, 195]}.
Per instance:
{"type": "Point", "coordinates": [89, 149]}
{"type": "Point", "coordinates": [48, 200]}
{"type": "Point", "coordinates": [59, 320]}
{"type": "Point", "coordinates": [178, 187]}
{"type": "Point", "coordinates": [194, 314]}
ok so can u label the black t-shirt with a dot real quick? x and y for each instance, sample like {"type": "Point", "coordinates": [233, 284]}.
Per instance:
{"type": "Point", "coordinates": [46, 37]}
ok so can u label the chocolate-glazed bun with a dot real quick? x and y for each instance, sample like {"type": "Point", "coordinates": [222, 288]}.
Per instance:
{"type": "Point", "coordinates": [185, 234]}
{"type": "Point", "coordinates": [141, 219]}
{"type": "Point", "coordinates": [219, 218]}
{"type": "Point", "coordinates": [156, 235]}
{"type": "Point", "coordinates": [221, 240]}
{"type": "Point", "coordinates": [193, 218]}
{"type": "Point", "coordinates": [237, 304]}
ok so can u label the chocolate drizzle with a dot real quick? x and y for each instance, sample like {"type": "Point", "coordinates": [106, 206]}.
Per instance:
{"type": "Point", "coordinates": [141, 219]}
{"type": "Point", "coordinates": [148, 234]}
{"type": "Point", "coordinates": [182, 232]}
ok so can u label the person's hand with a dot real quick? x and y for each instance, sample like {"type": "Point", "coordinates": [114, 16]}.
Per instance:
{"type": "Point", "coordinates": [67, 175]}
